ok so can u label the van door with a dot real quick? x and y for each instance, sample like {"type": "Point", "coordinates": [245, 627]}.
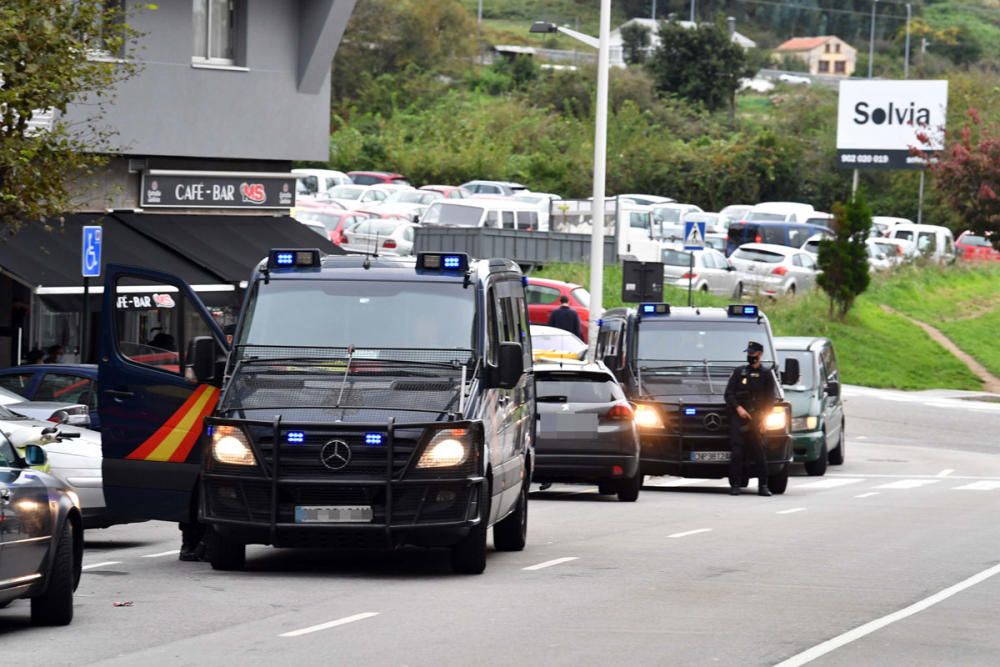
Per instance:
{"type": "Point", "coordinates": [150, 405]}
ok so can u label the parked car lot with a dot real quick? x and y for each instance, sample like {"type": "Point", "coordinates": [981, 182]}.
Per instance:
{"type": "Point", "coordinates": [974, 247]}
{"type": "Point", "coordinates": [791, 234]}
{"type": "Point", "coordinates": [710, 272]}
{"type": "Point", "coordinates": [383, 236]}
{"type": "Point", "coordinates": [774, 270]}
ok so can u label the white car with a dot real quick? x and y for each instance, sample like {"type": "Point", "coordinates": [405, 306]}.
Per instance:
{"type": "Point", "coordinates": [883, 224]}
{"type": "Point", "coordinates": [551, 343]}
{"type": "Point", "coordinates": [711, 271]}
{"type": "Point", "coordinates": [881, 256]}
{"type": "Point", "coordinates": [53, 412]}
{"type": "Point", "coordinates": [75, 459]}
{"type": "Point", "coordinates": [385, 236]}
{"type": "Point", "coordinates": [780, 211]}
{"type": "Point", "coordinates": [811, 245]}
{"type": "Point", "coordinates": [355, 197]}
{"type": "Point", "coordinates": [409, 204]}
{"type": "Point", "coordinates": [714, 222]}
{"type": "Point", "coordinates": [310, 182]}
{"type": "Point", "coordinates": [774, 270]}
{"type": "Point", "coordinates": [934, 242]}
{"type": "Point", "coordinates": [648, 200]}
{"type": "Point", "coordinates": [667, 220]}
{"type": "Point", "coordinates": [795, 79]}
{"type": "Point", "coordinates": [736, 212]}
{"type": "Point", "coordinates": [905, 251]}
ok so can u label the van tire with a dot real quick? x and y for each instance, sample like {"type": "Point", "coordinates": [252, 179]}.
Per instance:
{"type": "Point", "coordinates": [628, 489]}
{"type": "Point", "coordinates": [225, 554]}
{"type": "Point", "coordinates": [55, 606]}
{"type": "Point", "coordinates": [468, 556]}
{"type": "Point", "coordinates": [837, 455]}
{"type": "Point", "coordinates": [607, 488]}
{"type": "Point", "coordinates": [778, 482]}
{"type": "Point", "coordinates": [817, 468]}
{"type": "Point", "coordinates": [511, 534]}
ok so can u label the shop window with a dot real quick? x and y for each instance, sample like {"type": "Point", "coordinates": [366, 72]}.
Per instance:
{"type": "Point", "coordinates": [217, 28]}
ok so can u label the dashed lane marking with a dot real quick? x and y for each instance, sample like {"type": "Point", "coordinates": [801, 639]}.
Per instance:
{"type": "Point", "coordinates": [867, 495]}
{"type": "Point", "coordinates": [830, 483]}
{"type": "Point", "coordinates": [691, 532]}
{"type": "Point", "coordinates": [792, 511]}
{"type": "Point", "coordinates": [933, 477]}
{"type": "Point", "coordinates": [908, 484]}
{"type": "Point", "coordinates": [979, 486]}
{"type": "Point", "coordinates": [173, 552]}
{"type": "Point", "coordinates": [946, 472]}
{"type": "Point", "coordinates": [330, 624]}
{"type": "Point", "coordinates": [550, 563]}
{"type": "Point", "coordinates": [106, 563]}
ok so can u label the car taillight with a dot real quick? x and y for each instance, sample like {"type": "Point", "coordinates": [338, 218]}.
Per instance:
{"type": "Point", "coordinates": [343, 238]}
{"type": "Point", "coordinates": [389, 243]}
{"type": "Point", "coordinates": [620, 412]}
{"type": "Point", "coordinates": [779, 271]}
{"type": "Point", "coordinates": [757, 239]}
{"type": "Point", "coordinates": [689, 276]}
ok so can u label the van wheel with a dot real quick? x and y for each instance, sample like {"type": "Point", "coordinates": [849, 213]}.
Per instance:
{"type": "Point", "coordinates": [55, 607]}
{"type": "Point", "coordinates": [777, 483]}
{"type": "Point", "coordinates": [225, 554]}
{"type": "Point", "coordinates": [511, 534]}
{"type": "Point", "coordinates": [817, 468]}
{"type": "Point", "coordinates": [628, 490]}
{"type": "Point", "coordinates": [837, 455]}
{"type": "Point", "coordinates": [607, 488]}
{"type": "Point", "coordinates": [469, 555]}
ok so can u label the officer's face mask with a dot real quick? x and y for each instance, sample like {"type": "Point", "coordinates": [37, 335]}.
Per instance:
{"type": "Point", "coordinates": [753, 357]}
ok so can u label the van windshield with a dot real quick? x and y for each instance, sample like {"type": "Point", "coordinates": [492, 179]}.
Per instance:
{"type": "Point", "coordinates": [713, 341]}
{"type": "Point", "coordinates": [370, 314]}
{"type": "Point", "coordinates": [450, 214]}
{"type": "Point", "coordinates": [760, 216]}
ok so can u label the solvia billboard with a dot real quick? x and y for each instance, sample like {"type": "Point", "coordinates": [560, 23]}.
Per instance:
{"type": "Point", "coordinates": [879, 122]}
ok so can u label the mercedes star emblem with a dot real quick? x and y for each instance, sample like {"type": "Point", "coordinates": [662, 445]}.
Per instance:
{"type": "Point", "coordinates": [713, 421]}
{"type": "Point", "coordinates": [335, 455]}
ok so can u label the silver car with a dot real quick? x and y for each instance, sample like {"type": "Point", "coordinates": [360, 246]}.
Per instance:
{"type": "Point", "coordinates": [385, 236]}
{"type": "Point", "coordinates": [711, 272]}
{"type": "Point", "coordinates": [586, 431]}
{"type": "Point", "coordinates": [774, 270]}
{"type": "Point", "coordinates": [56, 412]}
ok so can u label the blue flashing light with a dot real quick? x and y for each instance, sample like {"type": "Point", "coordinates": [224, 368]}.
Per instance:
{"type": "Point", "coordinates": [284, 259]}
{"type": "Point", "coordinates": [293, 258]}
{"type": "Point", "coordinates": [209, 430]}
{"type": "Point", "coordinates": [654, 308]}
{"type": "Point", "coordinates": [649, 308]}
{"type": "Point", "coordinates": [452, 262]}
{"type": "Point", "coordinates": [740, 310]}
{"type": "Point", "coordinates": [295, 437]}
{"type": "Point", "coordinates": [690, 412]}
{"type": "Point", "coordinates": [373, 439]}
{"type": "Point", "coordinates": [432, 261]}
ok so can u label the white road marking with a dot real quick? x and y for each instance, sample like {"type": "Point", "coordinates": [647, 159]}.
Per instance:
{"type": "Point", "coordinates": [331, 624]}
{"type": "Point", "coordinates": [675, 482]}
{"type": "Point", "coordinates": [946, 472]}
{"type": "Point", "coordinates": [792, 511]}
{"type": "Point", "coordinates": [104, 564]}
{"type": "Point", "coordinates": [832, 483]}
{"type": "Point", "coordinates": [550, 563]}
{"type": "Point", "coordinates": [163, 553]}
{"type": "Point", "coordinates": [691, 532]}
{"type": "Point", "coordinates": [861, 437]}
{"type": "Point", "coordinates": [867, 495]}
{"type": "Point", "coordinates": [979, 486]}
{"type": "Point", "coordinates": [857, 633]}
{"type": "Point", "coordinates": [908, 484]}
{"type": "Point", "coordinates": [886, 476]}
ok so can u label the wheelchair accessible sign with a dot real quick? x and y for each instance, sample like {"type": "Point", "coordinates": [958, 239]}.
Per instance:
{"type": "Point", "coordinates": [91, 251]}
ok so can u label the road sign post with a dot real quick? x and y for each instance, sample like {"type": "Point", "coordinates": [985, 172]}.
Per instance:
{"type": "Point", "coordinates": [694, 239]}
{"type": "Point", "coordinates": [90, 260]}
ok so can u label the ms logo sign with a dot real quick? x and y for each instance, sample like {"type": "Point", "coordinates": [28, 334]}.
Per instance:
{"type": "Point", "coordinates": [878, 122]}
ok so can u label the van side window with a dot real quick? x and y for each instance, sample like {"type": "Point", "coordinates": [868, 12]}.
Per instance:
{"type": "Point", "coordinates": [492, 329]}
{"type": "Point", "coordinates": [508, 219]}
{"type": "Point", "coordinates": [796, 237]}
{"type": "Point", "coordinates": [491, 219]}
{"type": "Point", "coordinates": [773, 234]}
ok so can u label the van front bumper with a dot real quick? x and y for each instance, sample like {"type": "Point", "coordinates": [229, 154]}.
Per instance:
{"type": "Point", "coordinates": [807, 445]}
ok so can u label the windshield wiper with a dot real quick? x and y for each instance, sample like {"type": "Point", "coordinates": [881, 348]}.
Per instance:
{"type": "Point", "coordinates": [347, 370]}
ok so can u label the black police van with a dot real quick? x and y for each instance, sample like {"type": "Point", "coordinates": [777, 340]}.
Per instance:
{"type": "Point", "coordinates": [364, 402]}
{"type": "Point", "coordinates": [674, 364]}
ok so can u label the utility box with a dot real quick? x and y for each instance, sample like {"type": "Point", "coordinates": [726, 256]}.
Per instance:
{"type": "Point", "coordinates": [642, 282]}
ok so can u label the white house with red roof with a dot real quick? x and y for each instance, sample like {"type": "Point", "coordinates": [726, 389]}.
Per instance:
{"type": "Point", "coordinates": [824, 55]}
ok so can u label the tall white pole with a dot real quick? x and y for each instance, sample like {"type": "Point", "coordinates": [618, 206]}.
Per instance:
{"type": "Point", "coordinates": [906, 49]}
{"type": "Point", "coordinates": [871, 41]}
{"type": "Point", "coordinates": [692, 9]}
{"type": "Point", "coordinates": [600, 158]}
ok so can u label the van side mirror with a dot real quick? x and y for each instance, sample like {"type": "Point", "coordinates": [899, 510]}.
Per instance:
{"type": "Point", "coordinates": [35, 456]}
{"type": "Point", "coordinates": [833, 388]}
{"type": "Point", "coordinates": [510, 365]}
{"type": "Point", "coordinates": [790, 375]}
{"type": "Point", "coordinates": [201, 358]}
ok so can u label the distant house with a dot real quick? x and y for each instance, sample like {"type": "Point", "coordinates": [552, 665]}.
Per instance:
{"type": "Point", "coordinates": [616, 54]}
{"type": "Point", "coordinates": [824, 55]}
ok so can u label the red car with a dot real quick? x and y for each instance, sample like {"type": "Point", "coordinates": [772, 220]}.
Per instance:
{"type": "Point", "coordinates": [449, 191]}
{"type": "Point", "coordinates": [543, 297]}
{"type": "Point", "coordinates": [336, 221]}
{"type": "Point", "coordinates": [377, 178]}
{"type": "Point", "coordinates": [973, 247]}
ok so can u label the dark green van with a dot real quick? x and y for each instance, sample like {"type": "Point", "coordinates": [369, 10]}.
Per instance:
{"type": "Point", "coordinates": [817, 408]}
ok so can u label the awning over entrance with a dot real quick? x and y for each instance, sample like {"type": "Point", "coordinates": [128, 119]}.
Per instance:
{"type": "Point", "coordinates": [229, 245]}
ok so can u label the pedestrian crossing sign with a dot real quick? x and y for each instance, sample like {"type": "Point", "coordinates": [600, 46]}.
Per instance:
{"type": "Point", "coordinates": [694, 235]}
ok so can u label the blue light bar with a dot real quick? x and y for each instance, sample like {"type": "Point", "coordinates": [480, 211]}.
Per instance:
{"type": "Point", "coordinates": [690, 412]}
{"type": "Point", "coordinates": [293, 258]}
{"type": "Point", "coordinates": [654, 308]}
{"type": "Point", "coordinates": [284, 258]}
{"type": "Point", "coordinates": [740, 310]}
{"type": "Point", "coordinates": [435, 261]}
{"type": "Point", "coordinates": [295, 437]}
{"type": "Point", "coordinates": [452, 261]}
{"type": "Point", "coordinates": [373, 439]}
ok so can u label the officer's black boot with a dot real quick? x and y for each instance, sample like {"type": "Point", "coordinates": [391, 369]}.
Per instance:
{"type": "Point", "coordinates": [734, 490]}
{"type": "Point", "coordinates": [762, 489]}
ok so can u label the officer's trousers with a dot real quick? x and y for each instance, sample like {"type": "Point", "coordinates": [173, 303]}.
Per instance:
{"type": "Point", "coordinates": [741, 445]}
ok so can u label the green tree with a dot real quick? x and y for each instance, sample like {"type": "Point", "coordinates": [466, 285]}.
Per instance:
{"type": "Point", "coordinates": [53, 54]}
{"type": "Point", "coordinates": [701, 64]}
{"type": "Point", "coordinates": [844, 258]}
{"type": "Point", "coordinates": [635, 42]}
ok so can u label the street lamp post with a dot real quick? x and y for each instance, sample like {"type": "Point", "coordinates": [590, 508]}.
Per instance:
{"type": "Point", "coordinates": [906, 49]}
{"type": "Point", "coordinates": [597, 203]}
{"type": "Point", "coordinates": [871, 41]}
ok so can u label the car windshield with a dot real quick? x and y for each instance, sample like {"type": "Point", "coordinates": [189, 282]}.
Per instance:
{"type": "Point", "coordinates": [662, 342]}
{"type": "Point", "coordinates": [381, 227]}
{"type": "Point", "coordinates": [757, 255]}
{"type": "Point", "coordinates": [978, 241]}
{"type": "Point", "coordinates": [761, 216]}
{"type": "Point", "coordinates": [370, 314]}
{"type": "Point", "coordinates": [328, 220]}
{"type": "Point", "coordinates": [412, 197]}
{"type": "Point", "coordinates": [807, 374]}
{"type": "Point", "coordinates": [676, 258]}
{"type": "Point", "coordinates": [451, 214]}
{"type": "Point", "coordinates": [346, 192]}
{"type": "Point", "coordinates": [667, 214]}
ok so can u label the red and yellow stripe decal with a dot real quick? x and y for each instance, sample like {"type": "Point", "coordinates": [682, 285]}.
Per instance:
{"type": "Point", "coordinates": [175, 439]}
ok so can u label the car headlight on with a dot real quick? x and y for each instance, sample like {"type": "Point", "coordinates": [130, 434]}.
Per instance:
{"type": "Point", "coordinates": [647, 416]}
{"type": "Point", "coordinates": [777, 419]}
{"type": "Point", "coordinates": [805, 423]}
{"type": "Point", "coordinates": [447, 448]}
{"type": "Point", "coordinates": [230, 445]}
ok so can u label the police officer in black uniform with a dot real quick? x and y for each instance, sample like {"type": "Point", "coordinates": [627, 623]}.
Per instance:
{"type": "Point", "coordinates": [750, 396]}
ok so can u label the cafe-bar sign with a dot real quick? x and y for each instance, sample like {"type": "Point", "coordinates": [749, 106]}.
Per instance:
{"type": "Point", "coordinates": [169, 188]}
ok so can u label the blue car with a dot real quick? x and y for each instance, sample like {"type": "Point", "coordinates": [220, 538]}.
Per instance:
{"type": "Point", "coordinates": [67, 383]}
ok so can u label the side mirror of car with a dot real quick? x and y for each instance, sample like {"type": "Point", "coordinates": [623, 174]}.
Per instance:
{"type": "Point", "coordinates": [35, 456]}
{"type": "Point", "coordinates": [730, 267]}
{"type": "Point", "coordinates": [611, 361]}
{"type": "Point", "coordinates": [833, 388]}
{"type": "Point", "coordinates": [790, 375]}
{"type": "Point", "coordinates": [201, 358]}
{"type": "Point", "coordinates": [510, 365]}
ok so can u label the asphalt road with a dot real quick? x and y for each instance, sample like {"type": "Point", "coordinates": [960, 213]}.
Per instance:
{"type": "Point", "coordinates": [874, 564]}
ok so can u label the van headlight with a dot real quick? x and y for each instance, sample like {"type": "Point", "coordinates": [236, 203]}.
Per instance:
{"type": "Point", "coordinates": [230, 445]}
{"type": "Point", "coordinates": [647, 416]}
{"type": "Point", "coordinates": [805, 423]}
{"type": "Point", "coordinates": [446, 449]}
{"type": "Point", "coordinates": [777, 419]}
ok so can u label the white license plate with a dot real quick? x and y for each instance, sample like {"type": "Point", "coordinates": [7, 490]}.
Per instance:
{"type": "Point", "coordinates": [568, 426]}
{"type": "Point", "coordinates": [710, 457]}
{"type": "Point", "coordinates": [333, 514]}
